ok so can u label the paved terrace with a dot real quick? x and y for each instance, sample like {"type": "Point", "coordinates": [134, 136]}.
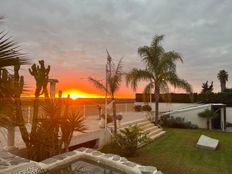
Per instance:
{"type": "Point", "coordinates": [93, 130]}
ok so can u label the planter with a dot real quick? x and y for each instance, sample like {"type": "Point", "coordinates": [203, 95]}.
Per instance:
{"type": "Point", "coordinates": [101, 123]}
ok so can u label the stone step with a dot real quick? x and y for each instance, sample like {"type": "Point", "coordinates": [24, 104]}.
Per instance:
{"type": "Point", "coordinates": [150, 129]}
{"type": "Point", "coordinates": [147, 126]}
{"type": "Point", "coordinates": [140, 124]}
{"type": "Point", "coordinates": [153, 137]}
{"type": "Point", "coordinates": [155, 132]}
{"type": "Point", "coordinates": [126, 124]}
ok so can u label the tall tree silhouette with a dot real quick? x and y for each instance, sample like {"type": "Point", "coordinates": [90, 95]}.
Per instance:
{"type": "Point", "coordinates": [160, 70]}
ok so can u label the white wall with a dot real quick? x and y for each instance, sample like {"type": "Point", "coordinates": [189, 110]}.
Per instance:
{"type": "Point", "coordinates": [190, 115]}
{"type": "Point", "coordinates": [229, 114]}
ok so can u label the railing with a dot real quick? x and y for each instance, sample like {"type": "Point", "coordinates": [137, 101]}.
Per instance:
{"type": "Point", "coordinates": [86, 109]}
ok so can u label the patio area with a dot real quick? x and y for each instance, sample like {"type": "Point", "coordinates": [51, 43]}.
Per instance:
{"type": "Point", "coordinates": [93, 130]}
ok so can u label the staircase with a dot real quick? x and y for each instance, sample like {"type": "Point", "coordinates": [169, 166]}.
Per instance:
{"type": "Point", "coordinates": [153, 131]}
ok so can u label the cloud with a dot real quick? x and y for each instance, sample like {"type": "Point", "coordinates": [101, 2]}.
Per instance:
{"type": "Point", "coordinates": [75, 33]}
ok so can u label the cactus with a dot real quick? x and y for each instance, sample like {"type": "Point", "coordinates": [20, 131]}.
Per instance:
{"type": "Point", "coordinates": [40, 74]}
{"type": "Point", "coordinates": [18, 83]}
{"type": "Point", "coordinates": [12, 86]}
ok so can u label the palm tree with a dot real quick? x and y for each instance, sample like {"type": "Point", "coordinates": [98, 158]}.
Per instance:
{"type": "Point", "coordinates": [223, 78]}
{"type": "Point", "coordinates": [11, 86]}
{"type": "Point", "coordinates": [206, 88]}
{"type": "Point", "coordinates": [160, 71]}
{"type": "Point", "coordinates": [113, 81]}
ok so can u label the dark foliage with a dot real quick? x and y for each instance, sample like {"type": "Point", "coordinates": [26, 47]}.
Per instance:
{"type": "Point", "coordinates": [224, 97]}
{"type": "Point", "coordinates": [146, 108]}
{"type": "Point", "coordinates": [206, 88]}
{"type": "Point", "coordinates": [138, 108]}
{"type": "Point", "coordinates": [171, 122]}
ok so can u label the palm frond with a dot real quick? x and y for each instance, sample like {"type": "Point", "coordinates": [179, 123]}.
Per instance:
{"type": "Point", "coordinates": [97, 84]}
{"type": "Point", "coordinates": [136, 75]}
{"type": "Point", "coordinates": [164, 86]}
{"type": "Point", "coordinates": [144, 52]}
{"type": "Point", "coordinates": [148, 88]}
{"type": "Point", "coordinates": [156, 40]}
{"type": "Point", "coordinates": [76, 121]}
{"type": "Point", "coordinates": [118, 70]}
{"type": "Point", "coordinates": [10, 54]}
{"type": "Point", "coordinates": [179, 83]}
{"type": "Point", "coordinates": [173, 55]}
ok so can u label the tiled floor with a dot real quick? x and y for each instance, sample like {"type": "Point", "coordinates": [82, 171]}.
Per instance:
{"type": "Point", "coordinates": [92, 124]}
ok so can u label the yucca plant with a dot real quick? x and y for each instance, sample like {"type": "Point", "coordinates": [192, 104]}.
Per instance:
{"type": "Point", "coordinates": [73, 121]}
{"type": "Point", "coordinates": [55, 128]}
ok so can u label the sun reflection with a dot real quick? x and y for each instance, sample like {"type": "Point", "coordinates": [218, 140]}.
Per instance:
{"type": "Point", "coordinates": [75, 94]}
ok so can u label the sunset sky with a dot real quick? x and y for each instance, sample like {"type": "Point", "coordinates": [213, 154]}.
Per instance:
{"type": "Point", "coordinates": [72, 36]}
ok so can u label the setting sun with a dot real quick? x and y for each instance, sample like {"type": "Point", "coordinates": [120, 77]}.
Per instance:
{"type": "Point", "coordinates": [75, 94]}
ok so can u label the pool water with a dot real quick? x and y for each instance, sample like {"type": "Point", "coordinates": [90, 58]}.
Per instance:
{"type": "Point", "coordinates": [84, 166]}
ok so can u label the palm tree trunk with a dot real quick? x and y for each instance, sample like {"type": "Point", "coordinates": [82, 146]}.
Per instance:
{"type": "Point", "coordinates": [208, 124]}
{"type": "Point", "coordinates": [156, 104]}
{"type": "Point", "coordinates": [223, 86]}
{"type": "Point", "coordinates": [114, 116]}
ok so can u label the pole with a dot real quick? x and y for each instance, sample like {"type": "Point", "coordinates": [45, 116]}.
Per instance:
{"type": "Point", "coordinates": [106, 98]}
{"type": "Point", "coordinates": [84, 111]}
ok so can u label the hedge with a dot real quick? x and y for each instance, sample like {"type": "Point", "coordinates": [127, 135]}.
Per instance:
{"type": "Point", "coordinates": [225, 98]}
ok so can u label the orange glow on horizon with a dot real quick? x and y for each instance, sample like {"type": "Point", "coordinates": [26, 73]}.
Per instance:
{"type": "Point", "coordinates": [75, 94]}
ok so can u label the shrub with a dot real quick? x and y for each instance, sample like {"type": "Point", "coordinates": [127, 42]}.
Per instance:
{"type": "Point", "coordinates": [171, 122]}
{"type": "Point", "coordinates": [208, 115]}
{"type": "Point", "coordinates": [128, 140]}
{"type": "Point", "coordinates": [119, 116]}
{"type": "Point", "coordinates": [146, 108]}
{"type": "Point", "coordinates": [137, 108]}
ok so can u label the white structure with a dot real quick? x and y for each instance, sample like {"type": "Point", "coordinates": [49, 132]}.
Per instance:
{"type": "Point", "coordinates": [205, 142]}
{"type": "Point", "coordinates": [190, 113]}
{"type": "Point", "coordinates": [53, 87]}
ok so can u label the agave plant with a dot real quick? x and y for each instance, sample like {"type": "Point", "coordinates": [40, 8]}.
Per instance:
{"type": "Point", "coordinates": [73, 121]}
{"type": "Point", "coordinates": [54, 130]}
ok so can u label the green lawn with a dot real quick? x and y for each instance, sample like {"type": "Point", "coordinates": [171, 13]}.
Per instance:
{"type": "Point", "coordinates": [175, 153]}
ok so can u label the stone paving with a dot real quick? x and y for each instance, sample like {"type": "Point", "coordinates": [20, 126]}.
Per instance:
{"type": "Point", "coordinates": [12, 164]}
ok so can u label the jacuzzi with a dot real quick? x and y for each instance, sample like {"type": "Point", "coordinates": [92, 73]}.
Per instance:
{"type": "Point", "coordinates": [82, 161]}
